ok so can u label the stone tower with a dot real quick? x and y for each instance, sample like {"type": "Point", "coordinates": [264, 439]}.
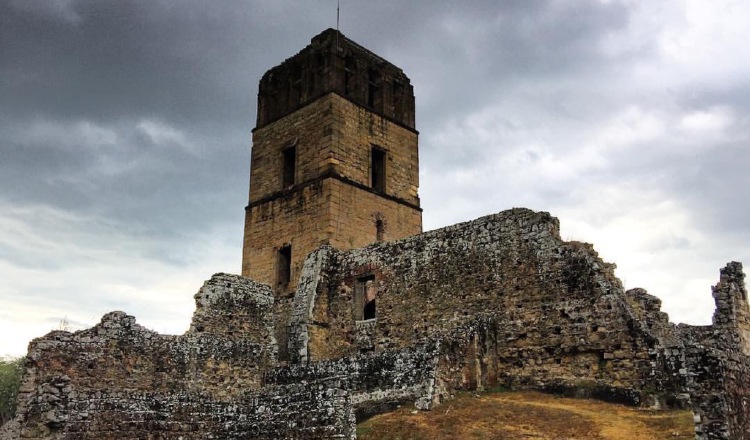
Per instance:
{"type": "Point", "coordinates": [334, 159]}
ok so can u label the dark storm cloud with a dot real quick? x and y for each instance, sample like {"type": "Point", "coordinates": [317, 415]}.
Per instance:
{"type": "Point", "coordinates": [84, 83]}
{"type": "Point", "coordinates": [116, 59]}
{"type": "Point", "coordinates": [198, 63]}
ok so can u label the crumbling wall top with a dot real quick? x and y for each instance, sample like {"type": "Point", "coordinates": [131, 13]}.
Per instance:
{"type": "Point", "coordinates": [236, 307]}
{"type": "Point", "coordinates": [732, 314]}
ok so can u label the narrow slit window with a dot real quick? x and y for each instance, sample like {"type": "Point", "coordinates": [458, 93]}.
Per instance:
{"type": "Point", "coordinates": [296, 88]}
{"type": "Point", "coordinates": [349, 69]}
{"type": "Point", "coordinates": [285, 265]}
{"type": "Point", "coordinates": [290, 162]}
{"type": "Point", "coordinates": [377, 170]}
{"type": "Point", "coordinates": [379, 230]}
{"type": "Point", "coordinates": [398, 91]}
{"type": "Point", "coordinates": [373, 88]}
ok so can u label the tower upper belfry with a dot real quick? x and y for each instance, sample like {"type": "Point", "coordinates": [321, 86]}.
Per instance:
{"type": "Point", "coordinates": [333, 63]}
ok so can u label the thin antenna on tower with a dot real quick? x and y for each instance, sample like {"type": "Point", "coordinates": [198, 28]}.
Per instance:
{"type": "Point", "coordinates": [338, 6]}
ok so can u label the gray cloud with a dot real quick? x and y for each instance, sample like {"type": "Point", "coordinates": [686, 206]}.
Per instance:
{"type": "Point", "coordinates": [126, 127]}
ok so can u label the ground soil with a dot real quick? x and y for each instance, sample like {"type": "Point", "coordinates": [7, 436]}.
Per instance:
{"type": "Point", "coordinates": [526, 416]}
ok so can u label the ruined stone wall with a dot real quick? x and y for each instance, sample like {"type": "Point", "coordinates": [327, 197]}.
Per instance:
{"type": "Point", "coordinates": [236, 308]}
{"type": "Point", "coordinates": [231, 336]}
{"type": "Point", "coordinates": [717, 382]}
{"type": "Point", "coordinates": [294, 411]}
{"type": "Point", "coordinates": [559, 316]}
{"type": "Point", "coordinates": [500, 301]}
{"type": "Point", "coordinates": [736, 391]}
{"type": "Point", "coordinates": [468, 361]}
{"type": "Point", "coordinates": [714, 366]}
{"type": "Point", "coordinates": [375, 382]}
{"type": "Point", "coordinates": [120, 353]}
{"type": "Point", "coordinates": [513, 305]}
{"type": "Point", "coordinates": [725, 397]}
{"type": "Point", "coordinates": [732, 314]}
{"type": "Point", "coordinates": [119, 380]}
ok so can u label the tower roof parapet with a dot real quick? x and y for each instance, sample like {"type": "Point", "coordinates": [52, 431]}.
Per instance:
{"type": "Point", "coordinates": [332, 63]}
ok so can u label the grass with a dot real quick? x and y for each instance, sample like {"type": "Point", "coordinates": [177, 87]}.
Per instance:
{"type": "Point", "coordinates": [527, 415]}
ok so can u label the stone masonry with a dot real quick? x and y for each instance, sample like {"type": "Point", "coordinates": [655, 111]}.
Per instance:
{"type": "Point", "coordinates": [119, 380]}
{"type": "Point", "coordinates": [499, 301]}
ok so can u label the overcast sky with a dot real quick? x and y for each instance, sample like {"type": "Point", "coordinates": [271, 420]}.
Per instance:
{"type": "Point", "coordinates": [125, 131]}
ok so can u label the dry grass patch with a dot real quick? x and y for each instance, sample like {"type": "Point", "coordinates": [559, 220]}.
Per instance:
{"type": "Point", "coordinates": [528, 415]}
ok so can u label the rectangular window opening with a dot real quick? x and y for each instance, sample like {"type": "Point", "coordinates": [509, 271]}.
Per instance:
{"type": "Point", "coordinates": [290, 162]}
{"type": "Point", "coordinates": [377, 170]}
{"type": "Point", "coordinates": [349, 69]}
{"type": "Point", "coordinates": [296, 88]}
{"type": "Point", "coordinates": [372, 88]}
{"type": "Point", "coordinates": [398, 91]}
{"type": "Point", "coordinates": [369, 310]}
{"type": "Point", "coordinates": [365, 292]}
{"type": "Point", "coordinates": [284, 266]}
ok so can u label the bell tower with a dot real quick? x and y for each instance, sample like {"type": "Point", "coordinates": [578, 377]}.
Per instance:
{"type": "Point", "coordinates": [334, 159]}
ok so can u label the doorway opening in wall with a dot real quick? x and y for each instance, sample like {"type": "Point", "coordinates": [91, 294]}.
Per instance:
{"type": "Point", "coordinates": [284, 265]}
{"type": "Point", "coordinates": [377, 169]}
{"type": "Point", "coordinates": [290, 162]}
{"type": "Point", "coordinates": [365, 292]}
